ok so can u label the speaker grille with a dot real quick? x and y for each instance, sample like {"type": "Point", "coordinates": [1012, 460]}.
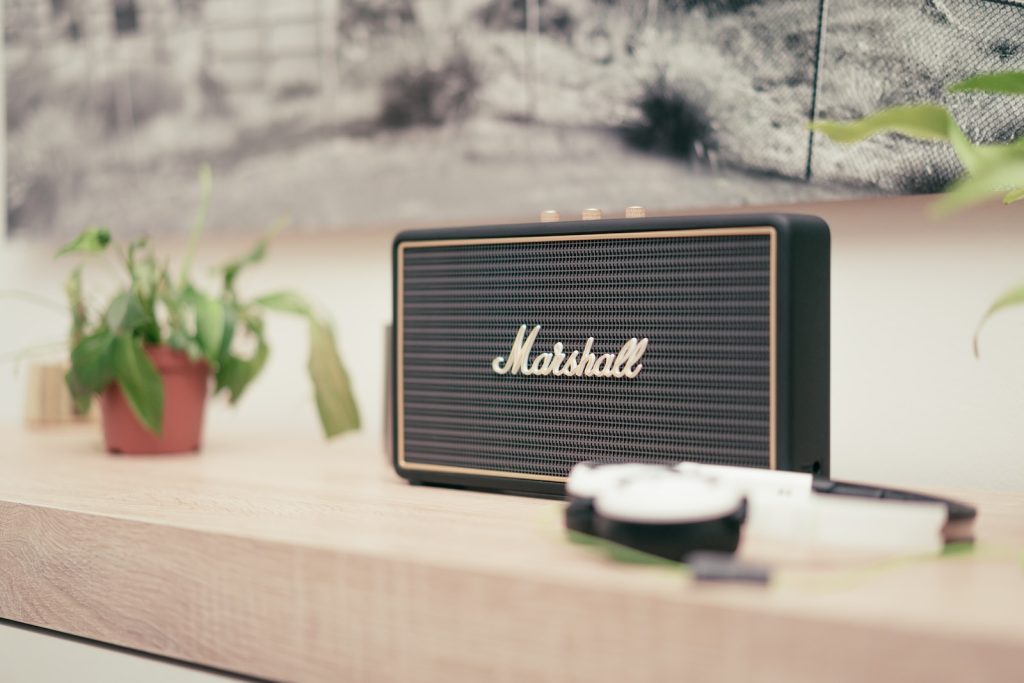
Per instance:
{"type": "Point", "coordinates": [703, 299]}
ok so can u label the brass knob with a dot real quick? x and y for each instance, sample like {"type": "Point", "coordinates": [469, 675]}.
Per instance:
{"type": "Point", "coordinates": [591, 214]}
{"type": "Point", "coordinates": [636, 212]}
{"type": "Point", "coordinates": [549, 216]}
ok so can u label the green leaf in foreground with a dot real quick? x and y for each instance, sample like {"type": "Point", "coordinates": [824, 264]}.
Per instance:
{"type": "Point", "coordinates": [140, 382]}
{"type": "Point", "coordinates": [1008, 299]}
{"type": "Point", "coordinates": [1013, 196]}
{"type": "Point", "coordinates": [1002, 176]}
{"type": "Point", "coordinates": [90, 240]}
{"type": "Point", "coordinates": [338, 411]}
{"type": "Point", "coordinates": [923, 121]}
{"type": "Point", "coordinates": [1002, 83]}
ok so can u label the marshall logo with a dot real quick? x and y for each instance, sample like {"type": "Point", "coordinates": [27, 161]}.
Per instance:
{"type": "Point", "coordinates": [624, 364]}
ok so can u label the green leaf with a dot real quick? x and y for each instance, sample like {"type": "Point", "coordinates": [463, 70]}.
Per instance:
{"type": "Point", "coordinates": [1001, 176]}
{"type": "Point", "coordinates": [923, 121]}
{"type": "Point", "coordinates": [618, 552]}
{"type": "Point", "coordinates": [1013, 196]}
{"type": "Point", "coordinates": [1002, 82]}
{"type": "Point", "coordinates": [140, 382]}
{"type": "Point", "coordinates": [337, 407]}
{"type": "Point", "coordinates": [92, 362]}
{"type": "Point", "coordinates": [1011, 297]}
{"type": "Point", "coordinates": [179, 340]}
{"type": "Point", "coordinates": [91, 369]}
{"type": "Point", "coordinates": [258, 252]}
{"type": "Point", "coordinates": [338, 411]}
{"type": "Point", "coordinates": [285, 302]}
{"type": "Point", "coordinates": [79, 394]}
{"type": "Point", "coordinates": [125, 313]}
{"type": "Point", "coordinates": [975, 158]}
{"type": "Point", "coordinates": [145, 273]}
{"type": "Point", "coordinates": [130, 257]}
{"type": "Point", "coordinates": [230, 321]}
{"type": "Point", "coordinates": [89, 240]}
{"type": "Point", "coordinates": [177, 334]}
{"type": "Point", "coordinates": [210, 319]}
{"type": "Point", "coordinates": [232, 268]}
{"type": "Point", "coordinates": [236, 373]}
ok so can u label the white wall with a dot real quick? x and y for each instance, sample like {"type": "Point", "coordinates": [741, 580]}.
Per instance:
{"type": "Point", "coordinates": [911, 405]}
{"type": "Point", "coordinates": [3, 125]}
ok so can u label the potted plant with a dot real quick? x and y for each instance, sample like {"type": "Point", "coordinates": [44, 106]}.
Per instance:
{"type": "Point", "coordinates": [151, 351]}
{"type": "Point", "coordinates": [990, 170]}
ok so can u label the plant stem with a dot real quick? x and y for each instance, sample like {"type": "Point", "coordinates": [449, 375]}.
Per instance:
{"type": "Point", "coordinates": [125, 261]}
{"type": "Point", "coordinates": [205, 190]}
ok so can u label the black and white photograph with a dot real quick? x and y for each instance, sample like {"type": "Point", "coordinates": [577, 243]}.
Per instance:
{"type": "Point", "coordinates": [337, 114]}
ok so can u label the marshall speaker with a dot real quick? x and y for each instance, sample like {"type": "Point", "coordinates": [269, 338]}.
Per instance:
{"type": "Point", "coordinates": [522, 350]}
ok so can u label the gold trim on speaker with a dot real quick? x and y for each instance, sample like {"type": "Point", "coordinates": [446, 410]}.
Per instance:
{"type": "Point", "coordinates": [701, 232]}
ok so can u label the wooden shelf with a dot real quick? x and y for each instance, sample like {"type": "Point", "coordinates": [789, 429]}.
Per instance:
{"type": "Point", "coordinates": [296, 559]}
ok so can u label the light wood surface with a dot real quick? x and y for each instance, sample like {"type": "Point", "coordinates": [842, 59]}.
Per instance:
{"type": "Point", "coordinates": [301, 560]}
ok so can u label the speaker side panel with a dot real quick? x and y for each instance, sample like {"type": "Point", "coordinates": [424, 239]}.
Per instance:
{"type": "Point", "coordinates": [804, 339]}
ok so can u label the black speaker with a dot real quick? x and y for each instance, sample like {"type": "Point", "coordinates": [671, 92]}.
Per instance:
{"type": "Point", "coordinates": [522, 350]}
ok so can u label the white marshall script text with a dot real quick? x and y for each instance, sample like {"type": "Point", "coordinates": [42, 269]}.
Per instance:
{"type": "Point", "coordinates": [624, 364]}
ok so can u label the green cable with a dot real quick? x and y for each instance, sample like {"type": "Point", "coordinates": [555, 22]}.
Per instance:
{"type": "Point", "coordinates": [812, 580]}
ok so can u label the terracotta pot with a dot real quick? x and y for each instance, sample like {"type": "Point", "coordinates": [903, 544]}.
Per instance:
{"type": "Point", "coordinates": [185, 388]}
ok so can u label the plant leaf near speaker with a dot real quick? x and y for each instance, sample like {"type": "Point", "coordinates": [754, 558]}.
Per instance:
{"type": "Point", "coordinates": [989, 169]}
{"type": "Point", "coordinates": [158, 327]}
